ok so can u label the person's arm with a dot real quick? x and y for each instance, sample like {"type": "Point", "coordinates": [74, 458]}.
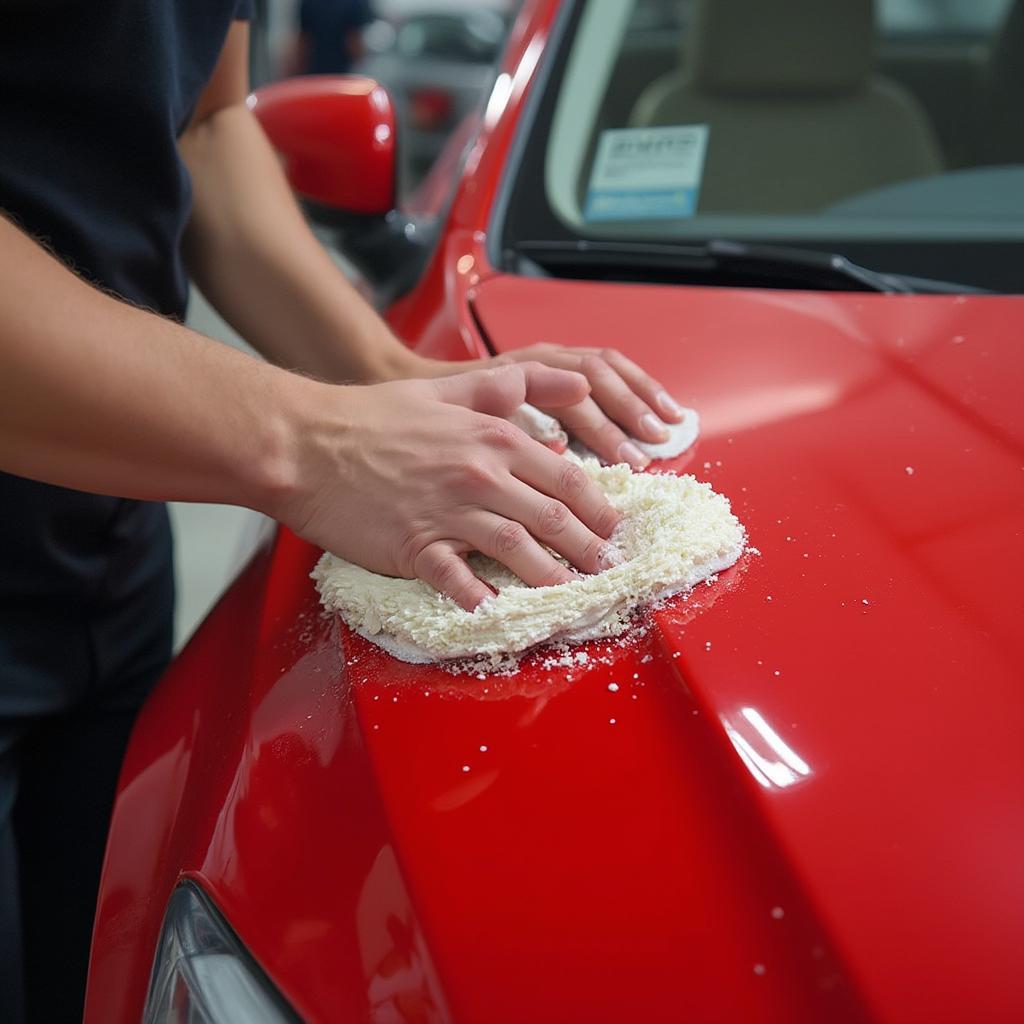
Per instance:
{"type": "Point", "coordinates": [252, 254]}
{"type": "Point", "coordinates": [403, 478]}
{"type": "Point", "coordinates": [100, 396]}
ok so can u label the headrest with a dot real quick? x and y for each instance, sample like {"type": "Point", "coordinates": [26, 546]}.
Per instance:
{"type": "Point", "coordinates": [778, 47]}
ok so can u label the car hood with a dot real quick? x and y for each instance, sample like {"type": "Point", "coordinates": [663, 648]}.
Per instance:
{"type": "Point", "coordinates": [795, 797]}
{"type": "Point", "coordinates": [862, 677]}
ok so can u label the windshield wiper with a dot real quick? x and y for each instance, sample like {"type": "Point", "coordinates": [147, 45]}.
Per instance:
{"type": "Point", "coordinates": [719, 261]}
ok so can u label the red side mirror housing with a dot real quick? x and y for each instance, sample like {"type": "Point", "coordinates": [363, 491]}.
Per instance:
{"type": "Point", "coordinates": [336, 136]}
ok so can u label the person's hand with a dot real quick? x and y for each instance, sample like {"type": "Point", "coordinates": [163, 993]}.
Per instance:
{"type": "Point", "coordinates": [405, 478]}
{"type": "Point", "coordinates": [624, 401]}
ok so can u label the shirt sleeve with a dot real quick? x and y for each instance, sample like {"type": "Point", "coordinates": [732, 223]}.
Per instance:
{"type": "Point", "coordinates": [244, 10]}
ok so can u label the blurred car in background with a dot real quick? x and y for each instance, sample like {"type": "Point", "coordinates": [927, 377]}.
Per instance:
{"type": "Point", "coordinates": [436, 58]}
{"type": "Point", "coordinates": [795, 797]}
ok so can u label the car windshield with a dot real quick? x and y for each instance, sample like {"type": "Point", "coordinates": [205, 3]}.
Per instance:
{"type": "Point", "coordinates": [889, 132]}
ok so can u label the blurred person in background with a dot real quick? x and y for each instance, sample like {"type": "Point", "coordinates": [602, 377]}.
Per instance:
{"type": "Point", "coordinates": [330, 39]}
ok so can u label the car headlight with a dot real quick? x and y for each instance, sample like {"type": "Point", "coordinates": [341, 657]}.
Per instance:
{"type": "Point", "coordinates": [203, 975]}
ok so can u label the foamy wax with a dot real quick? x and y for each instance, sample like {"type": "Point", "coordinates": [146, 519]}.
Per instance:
{"type": "Point", "coordinates": [675, 532]}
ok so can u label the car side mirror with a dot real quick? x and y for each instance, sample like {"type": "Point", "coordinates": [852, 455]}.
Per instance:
{"type": "Point", "coordinates": [336, 137]}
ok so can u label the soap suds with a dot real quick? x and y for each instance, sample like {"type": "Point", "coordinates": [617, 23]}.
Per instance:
{"type": "Point", "coordinates": [675, 533]}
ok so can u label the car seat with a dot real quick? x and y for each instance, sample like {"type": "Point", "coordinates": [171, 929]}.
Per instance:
{"type": "Point", "coordinates": [797, 119]}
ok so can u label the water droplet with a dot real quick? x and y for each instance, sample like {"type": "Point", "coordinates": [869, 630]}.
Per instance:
{"type": "Point", "coordinates": [778, 913]}
{"type": "Point", "coordinates": [614, 687]}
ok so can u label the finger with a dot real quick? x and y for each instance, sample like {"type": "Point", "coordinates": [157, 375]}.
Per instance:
{"type": "Point", "coordinates": [587, 423]}
{"type": "Point", "coordinates": [620, 402]}
{"type": "Point", "coordinates": [649, 389]}
{"type": "Point", "coordinates": [510, 543]}
{"type": "Point", "coordinates": [501, 390]}
{"type": "Point", "coordinates": [551, 522]}
{"type": "Point", "coordinates": [562, 479]}
{"type": "Point", "coordinates": [546, 353]}
{"type": "Point", "coordinates": [442, 566]}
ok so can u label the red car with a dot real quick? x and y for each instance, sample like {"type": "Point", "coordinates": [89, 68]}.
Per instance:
{"type": "Point", "coordinates": [799, 795]}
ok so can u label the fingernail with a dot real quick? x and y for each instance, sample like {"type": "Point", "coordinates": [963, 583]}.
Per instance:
{"type": "Point", "coordinates": [628, 452]}
{"type": "Point", "coordinates": [610, 557]}
{"type": "Point", "coordinates": [668, 404]}
{"type": "Point", "coordinates": [654, 426]}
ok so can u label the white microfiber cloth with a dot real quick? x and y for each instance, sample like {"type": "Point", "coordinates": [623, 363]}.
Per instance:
{"type": "Point", "coordinates": [548, 430]}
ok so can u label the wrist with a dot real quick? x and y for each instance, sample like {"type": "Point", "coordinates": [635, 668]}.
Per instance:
{"type": "Point", "coordinates": [287, 422]}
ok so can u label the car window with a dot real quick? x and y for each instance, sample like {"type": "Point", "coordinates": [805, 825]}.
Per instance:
{"type": "Point", "coordinates": [941, 17]}
{"type": "Point", "coordinates": [676, 120]}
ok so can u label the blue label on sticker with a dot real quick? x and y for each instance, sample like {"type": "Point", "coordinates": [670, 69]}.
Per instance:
{"type": "Point", "coordinates": [635, 204]}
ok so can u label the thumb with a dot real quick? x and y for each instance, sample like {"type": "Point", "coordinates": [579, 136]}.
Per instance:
{"type": "Point", "coordinates": [499, 392]}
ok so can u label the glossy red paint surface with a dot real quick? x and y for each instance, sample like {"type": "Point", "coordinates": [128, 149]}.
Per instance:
{"type": "Point", "coordinates": [336, 136]}
{"type": "Point", "coordinates": [808, 805]}
{"type": "Point", "coordinates": [874, 447]}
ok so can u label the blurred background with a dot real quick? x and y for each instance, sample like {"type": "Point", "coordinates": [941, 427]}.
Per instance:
{"type": "Point", "coordinates": [435, 56]}
{"type": "Point", "coordinates": [437, 59]}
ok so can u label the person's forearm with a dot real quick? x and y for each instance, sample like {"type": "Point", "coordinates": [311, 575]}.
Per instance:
{"type": "Point", "coordinates": [100, 396]}
{"type": "Point", "coordinates": [252, 254]}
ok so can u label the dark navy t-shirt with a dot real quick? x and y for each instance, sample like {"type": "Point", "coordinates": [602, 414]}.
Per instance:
{"type": "Point", "coordinates": [93, 95]}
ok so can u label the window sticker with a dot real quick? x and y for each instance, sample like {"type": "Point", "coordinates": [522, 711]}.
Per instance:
{"type": "Point", "coordinates": [647, 172]}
